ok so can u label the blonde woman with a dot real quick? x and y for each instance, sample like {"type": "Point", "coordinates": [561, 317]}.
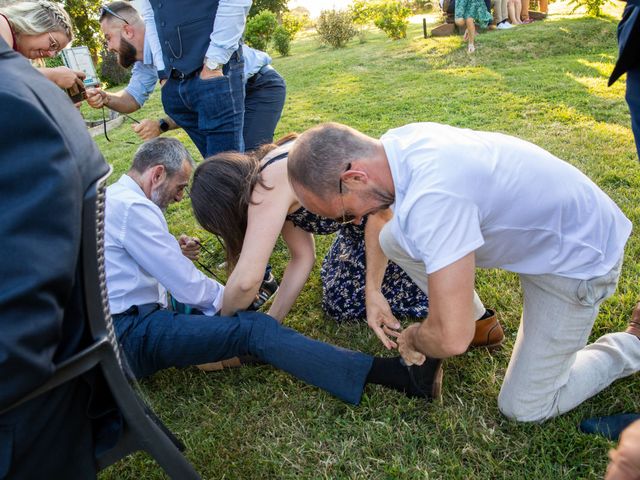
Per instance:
{"type": "Point", "coordinates": [39, 30]}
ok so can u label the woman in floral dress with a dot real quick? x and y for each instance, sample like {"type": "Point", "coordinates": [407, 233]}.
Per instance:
{"type": "Point", "coordinates": [246, 199]}
{"type": "Point", "coordinates": [470, 12]}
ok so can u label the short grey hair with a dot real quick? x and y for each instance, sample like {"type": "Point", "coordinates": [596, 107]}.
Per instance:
{"type": "Point", "coordinates": [123, 9]}
{"type": "Point", "coordinates": [166, 151]}
{"type": "Point", "coordinates": [35, 18]}
{"type": "Point", "coordinates": [322, 153]}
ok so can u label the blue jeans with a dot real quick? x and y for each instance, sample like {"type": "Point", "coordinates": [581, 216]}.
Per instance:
{"type": "Point", "coordinates": [210, 111]}
{"type": "Point", "coordinates": [265, 94]}
{"type": "Point", "coordinates": [633, 100]}
{"type": "Point", "coordinates": [155, 338]}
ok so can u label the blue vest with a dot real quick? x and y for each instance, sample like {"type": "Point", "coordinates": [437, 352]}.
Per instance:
{"type": "Point", "coordinates": [184, 28]}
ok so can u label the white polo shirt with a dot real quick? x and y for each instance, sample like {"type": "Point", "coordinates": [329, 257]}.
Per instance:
{"type": "Point", "coordinates": [143, 260]}
{"type": "Point", "coordinates": [515, 205]}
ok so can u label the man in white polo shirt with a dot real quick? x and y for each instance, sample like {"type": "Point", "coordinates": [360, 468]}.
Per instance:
{"type": "Point", "coordinates": [464, 199]}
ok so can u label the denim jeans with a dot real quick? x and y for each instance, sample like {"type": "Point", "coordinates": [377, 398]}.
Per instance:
{"type": "Point", "coordinates": [265, 94]}
{"type": "Point", "coordinates": [210, 111]}
{"type": "Point", "coordinates": [154, 338]}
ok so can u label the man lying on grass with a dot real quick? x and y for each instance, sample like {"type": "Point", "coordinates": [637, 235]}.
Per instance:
{"type": "Point", "coordinates": [143, 261]}
{"type": "Point", "coordinates": [464, 199]}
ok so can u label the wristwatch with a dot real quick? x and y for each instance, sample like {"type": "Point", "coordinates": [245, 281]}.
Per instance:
{"type": "Point", "coordinates": [212, 64]}
{"type": "Point", "coordinates": [164, 125]}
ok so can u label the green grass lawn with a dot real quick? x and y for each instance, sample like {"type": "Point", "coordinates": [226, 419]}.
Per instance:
{"type": "Point", "coordinates": [546, 83]}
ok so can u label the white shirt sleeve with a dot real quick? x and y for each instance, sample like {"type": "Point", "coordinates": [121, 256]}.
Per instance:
{"type": "Point", "coordinates": [146, 238]}
{"type": "Point", "coordinates": [151, 34]}
{"type": "Point", "coordinates": [228, 28]}
{"type": "Point", "coordinates": [442, 228]}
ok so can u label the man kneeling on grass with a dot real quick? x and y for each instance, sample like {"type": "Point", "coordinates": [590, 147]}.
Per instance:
{"type": "Point", "coordinates": [463, 199]}
{"type": "Point", "coordinates": [143, 261]}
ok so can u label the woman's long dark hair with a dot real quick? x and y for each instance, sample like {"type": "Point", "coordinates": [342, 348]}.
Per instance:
{"type": "Point", "coordinates": [221, 194]}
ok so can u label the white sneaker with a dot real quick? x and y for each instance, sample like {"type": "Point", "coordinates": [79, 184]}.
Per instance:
{"type": "Point", "coordinates": [504, 26]}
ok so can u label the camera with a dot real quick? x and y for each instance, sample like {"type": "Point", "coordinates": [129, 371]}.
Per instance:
{"type": "Point", "coordinates": [77, 93]}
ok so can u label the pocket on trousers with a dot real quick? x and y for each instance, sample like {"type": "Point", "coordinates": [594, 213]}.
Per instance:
{"type": "Point", "coordinates": [215, 103]}
{"type": "Point", "coordinates": [594, 291]}
{"type": "Point", "coordinates": [6, 450]}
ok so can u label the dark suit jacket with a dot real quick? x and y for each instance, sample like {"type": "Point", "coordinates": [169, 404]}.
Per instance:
{"type": "Point", "coordinates": [628, 41]}
{"type": "Point", "coordinates": [47, 161]}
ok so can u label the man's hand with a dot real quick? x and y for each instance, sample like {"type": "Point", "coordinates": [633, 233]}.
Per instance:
{"type": "Point", "coordinates": [97, 98]}
{"type": "Point", "coordinates": [147, 129]}
{"type": "Point", "coordinates": [625, 460]}
{"type": "Point", "coordinates": [64, 77]}
{"type": "Point", "coordinates": [380, 318]}
{"type": "Point", "coordinates": [190, 247]}
{"type": "Point", "coordinates": [406, 345]}
{"type": "Point", "coordinates": [207, 73]}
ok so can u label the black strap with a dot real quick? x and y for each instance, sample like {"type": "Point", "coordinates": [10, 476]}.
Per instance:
{"type": "Point", "coordinates": [274, 159]}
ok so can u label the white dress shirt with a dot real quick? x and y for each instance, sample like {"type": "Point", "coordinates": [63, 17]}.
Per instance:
{"type": "Point", "coordinates": [143, 260]}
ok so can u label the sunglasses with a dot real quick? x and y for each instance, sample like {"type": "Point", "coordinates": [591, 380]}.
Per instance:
{"type": "Point", "coordinates": [106, 9]}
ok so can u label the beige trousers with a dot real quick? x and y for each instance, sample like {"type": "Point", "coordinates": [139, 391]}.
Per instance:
{"type": "Point", "coordinates": [552, 369]}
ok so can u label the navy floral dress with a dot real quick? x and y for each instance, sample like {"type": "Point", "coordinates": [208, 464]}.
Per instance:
{"type": "Point", "coordinates": [343, 273]}
{"type": "Point", "coordinates": [343, 270]}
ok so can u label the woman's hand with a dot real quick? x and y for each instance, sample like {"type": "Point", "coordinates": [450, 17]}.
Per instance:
{"type": "Point", "coordinates": [64, 77]}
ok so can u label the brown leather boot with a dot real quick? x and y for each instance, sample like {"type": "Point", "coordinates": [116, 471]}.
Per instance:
{"type": "Point", "coordinates": [233, 362]}
{"type": "Point", "coordinates": [489, 333]}
{"type": "Point", "coordinates": [634, 324]}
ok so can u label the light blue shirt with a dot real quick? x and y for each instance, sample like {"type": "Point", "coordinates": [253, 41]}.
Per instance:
{"type": "Point", "coordinates": [144, 74]}
{"type": "Point", "coordinates": [144, 77]}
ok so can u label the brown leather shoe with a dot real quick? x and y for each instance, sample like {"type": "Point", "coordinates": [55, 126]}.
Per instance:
{"type": "Point", "coordinates": [489, 333]}
{"type": "Point", "coordinates": [634, 324]}
{"type": "Point", "coordinates": [233, 362]}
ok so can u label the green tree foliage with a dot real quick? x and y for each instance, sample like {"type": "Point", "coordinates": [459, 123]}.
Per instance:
{"type": "Point", "coordinates": [85, 14]}
{"type": "Point", "coordinates": [293, 23]}
{"type": "Point", "coordinates": [276, 6]}
{"type": "Point", "coordinates": [392, 17]}
{"type": "Point", "coordinates": [110, 70]}
{"type": "Point", "coordinates": [259, 29]}
{"type": "Point", "coordinates": [362, 12]}
{"type": "Point", "coordinates": [282, 40]}
{"type": "Point", "coordinates": [594, 7]}
{"type": "Point", "coordinates": [335, 27]}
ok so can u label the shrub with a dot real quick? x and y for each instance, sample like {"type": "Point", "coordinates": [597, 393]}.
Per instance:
{"type": "Point", "coordinates": [392, 17]}
{"type": "Point", "coordinates": [335, 27]}
{"type": "Point", "coordinates": [276, 6]}
{"type": "Point", "coordinates": [362, 12]}
{"type": "Point", "coordinates": [259, 29]}
{"type": "Point", "coordinates": [53, 62]}
{"type": "Point", "coordinates": [594, 7]}
{"type": "Point", "coordinates": [282, 40]}
{"type": "Point", "coordinates": [110, 70]}
{"type": "Point", "coordinates": [293, 23]}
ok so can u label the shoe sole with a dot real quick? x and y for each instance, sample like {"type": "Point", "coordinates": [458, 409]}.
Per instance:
{"type": "Point", "coordinates": [436, 388]}
{"type": "Point", "coordinates": [268, 299]}
{"type": "Point", "coordinates": [233, 362]}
